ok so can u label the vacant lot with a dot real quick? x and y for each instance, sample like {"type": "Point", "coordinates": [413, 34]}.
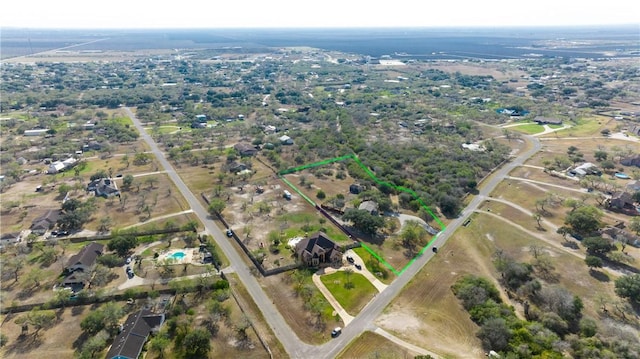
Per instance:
{"type": "Point", "coordinates": [371, 345]}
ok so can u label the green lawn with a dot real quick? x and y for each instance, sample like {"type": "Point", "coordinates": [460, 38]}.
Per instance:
{"type": "Point", "coordinates": [528, 128]}
{"type": "Point", "coordinates": [354, 299]}
{"type": "Point", "coordinates": [583, 127]}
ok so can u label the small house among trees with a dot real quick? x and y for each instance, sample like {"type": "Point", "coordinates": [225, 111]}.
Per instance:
{"type": "Point", "coordinates": [318, 250]}
{"type": "Point", "coordinates": [80, 264]}
{"type": "Point", "coordinates": [541, 120]}
{"type": "Point", "coordinates": [245, 149]}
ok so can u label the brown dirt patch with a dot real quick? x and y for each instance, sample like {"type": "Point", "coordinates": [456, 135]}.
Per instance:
{"type": "Point", "coordinates": [291, 307]}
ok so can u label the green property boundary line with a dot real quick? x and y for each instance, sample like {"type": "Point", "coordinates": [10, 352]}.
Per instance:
{"type": "Point", "coordinates": [355, 158]}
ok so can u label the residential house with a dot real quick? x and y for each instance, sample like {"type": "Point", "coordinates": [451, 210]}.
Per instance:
{"type": "Point", "coordinates": [103, 187]}
{"type": "Point", "coordinates": [318, 250]}
{"type": "Point", "coordinates": [584, 169]}
{"type": "Point", "coordinates": [10, 238]}
{"type": "Point", "coordinates": [369, 206]}
{"type": "Point", "coordinates": [631, 161]}
{"type": "Point", "coordinates": [541, 120]}
{"type": "Point", "coordinates": [135, 332]}
{"type": "Point", "coordinates": [86, 258]}
{"type": "Point", "coordinates": [80, 264]}
{"type": "Point", "coordinates": [621, 200]}
{"type": "Point", "coordinates": [45, 222]}
{"type": "Point", "coordinates": [285, 140]}
{"type": "Point", "coordinates": [245, 149]}
{"type": "Point", "coordinates": [59, 166]}
{"type": "Point", "coordinates": [634, 186]}
{"type": "Point", "coordinates": [201, 118]}
{"type": "Point", "coordinates": [355, 188]}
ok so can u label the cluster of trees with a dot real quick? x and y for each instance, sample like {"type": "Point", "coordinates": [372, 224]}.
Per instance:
{"type": "Point", "coordinates": [558, 328]}
{"type": "Point", "coordinates": [75, 213]}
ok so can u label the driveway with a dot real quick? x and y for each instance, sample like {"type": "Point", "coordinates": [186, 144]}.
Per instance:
{"type": "Point", "coordinates": [346, 317]}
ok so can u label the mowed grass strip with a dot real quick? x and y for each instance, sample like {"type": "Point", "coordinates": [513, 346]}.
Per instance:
{"type": "Point", "coordinates": [372, 345]}
{"type": "Point", "coordinates": [351, 299]}
{"type": "Point", "coordinates": [528, 128]}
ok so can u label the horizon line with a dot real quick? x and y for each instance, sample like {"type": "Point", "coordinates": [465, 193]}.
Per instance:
{"type": "Point", "coordinates": [386, 27]}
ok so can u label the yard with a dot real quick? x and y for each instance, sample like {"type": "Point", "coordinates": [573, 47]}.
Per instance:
{"type": "Point", "coordinates": [352, 290]}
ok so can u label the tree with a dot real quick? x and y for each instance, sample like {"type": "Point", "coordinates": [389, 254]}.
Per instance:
{"type": "Point", "coordinates": [216, 206]}
{"type": "Point", "coordinates": [628, 286]}
{"type": "Point", "coordinates": [105, 224]}
{"type": "Point", "coordinates": [593, 262]}
{"type": "Point", "coordinates": [159, 343]}
{"type": "Point", "coordinates": [197, 344]}
{"type": "Point", "coordinates": [127, 181]}
{"type": "Point", "coordinates": [412, 235]}
{"type": "Point", "coordinates": [363, 220]}
{"type": "Point", "coordinates": [35, 275]}
{"type": "Point", "coordinates": [634, 225]}
{"type": "Point", "coordinates": [94, 345]}
{"type": "Point", "coordinates": [38, 319]}
{"type": "Point", "coordinates": [122, 244]}
{"type": "Point", "coordinates": [13, 265]}
{"type": "Point", "coordinates": [348, 284]}
{"type": "Point", "coordinates": [600, 155]}
{"type": "Point", "coordinates": [584, 220]}
{"type": "Point", "coordinates": [494, 334]}
{"type": "Point", "coordinates": [537, 217]}
{"type": "Point", "coordinates": [597, 245]}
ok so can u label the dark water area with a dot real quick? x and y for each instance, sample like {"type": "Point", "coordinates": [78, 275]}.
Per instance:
{"type": "Point", "coordinates": [417, 43]}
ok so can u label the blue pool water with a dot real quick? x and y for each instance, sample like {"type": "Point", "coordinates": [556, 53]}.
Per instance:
{"type": "Point", "coordinates": [178, 255]}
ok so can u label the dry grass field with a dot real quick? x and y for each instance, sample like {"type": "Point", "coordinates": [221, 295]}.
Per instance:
{"type": "Point", "coordinates": [428, 315]}
{"type": "Point", "coordinates": [371, 345]}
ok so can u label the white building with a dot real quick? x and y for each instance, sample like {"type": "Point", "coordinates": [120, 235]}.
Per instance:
{"type": "Point", "coordinates": [40, 132]}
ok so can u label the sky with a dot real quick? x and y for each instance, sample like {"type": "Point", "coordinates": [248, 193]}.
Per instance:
{"type": "Point", "coordinates": [309, 13]}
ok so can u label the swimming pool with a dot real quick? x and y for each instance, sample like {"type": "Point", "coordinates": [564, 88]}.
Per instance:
{"type": "Point", "coordinates": [177, 255]}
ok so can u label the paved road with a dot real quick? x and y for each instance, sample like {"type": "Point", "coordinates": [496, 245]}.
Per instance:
{"type": "Point", "coordinates": [368, 315]}
{"type": "Point", "coordinates": [294, 346]}
{"type": "Point", "coordinates": [365, 319]}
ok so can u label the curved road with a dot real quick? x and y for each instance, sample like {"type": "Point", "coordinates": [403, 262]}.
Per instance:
{"type": "Point", "coordinates": [365, 319]}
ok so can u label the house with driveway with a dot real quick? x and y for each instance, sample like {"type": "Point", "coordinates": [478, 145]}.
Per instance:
{"type": "Point", "coordinates": [80, 264]}
{"type": "Point", "coordinates": [45, 222]}
{"type": "Point", "coordinates": [318, 251]}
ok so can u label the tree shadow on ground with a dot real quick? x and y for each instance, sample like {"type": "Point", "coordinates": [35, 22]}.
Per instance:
{"type": "Point", "coordinates": [600, 276]}
{"type": "Point", "coordinates": [375, 239]}
{"type": "Point", "coordinates": [24, 344]}
{"type": "Point", "coordinates": [570, 244]}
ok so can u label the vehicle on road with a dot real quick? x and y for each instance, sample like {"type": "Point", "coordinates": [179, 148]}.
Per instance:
{"type": "Point", "coordinates": [128, 261]}
{"type": "Point", "coordinates": [350, 259]}
{"type": "Point", "coordinates": [336, 331]}
{"type": "Point", "coordinates": [435, 249]}
{"type": "Point", "coordinates": [229, 232]}
{"type": "Point", "coordinates": [358, 266]}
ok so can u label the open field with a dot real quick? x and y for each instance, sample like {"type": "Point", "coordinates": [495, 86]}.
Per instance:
{"type": "Point", "coordinates": [427, 308]}
{"type": "Point", "coordinates": [371, 345]}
